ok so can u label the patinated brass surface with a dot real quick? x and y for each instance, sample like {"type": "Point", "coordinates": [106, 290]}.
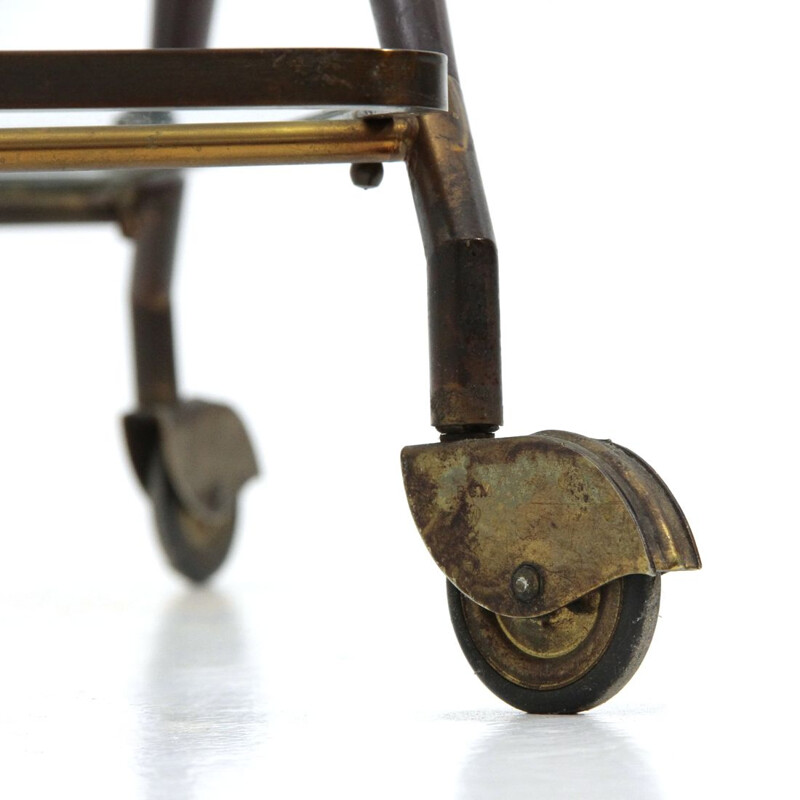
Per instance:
{"type": "Point", "coordinates": [379, 80]}
{"type": "Point", "coordinates": [486, 506]}
{"type": "Point", "coordinates": [557, 634]}
{"type": "Point", "coordinates": [463, 296]}
{"type": "Point", "coordinates": [203, 145]}
{"type": "Point", "coordinates": [669, 539]}
{"type": "Point", "coordinates": [205, 451]}
{"type": "Point", "coordinates": [35, 200]}
{"type": "Point", "coordinates": [550, 651]}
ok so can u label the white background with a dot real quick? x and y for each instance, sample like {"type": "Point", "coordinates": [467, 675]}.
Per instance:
{"type": "Point", "coordinates": [642, 167]}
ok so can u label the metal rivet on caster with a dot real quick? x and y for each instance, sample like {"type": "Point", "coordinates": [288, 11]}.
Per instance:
{"type": "Point", "coordinates": [366, 176]}
{"type": "Point", "coordinates": [525, 583]}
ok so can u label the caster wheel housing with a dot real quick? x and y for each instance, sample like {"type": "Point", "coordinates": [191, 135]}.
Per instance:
{"type": "Point", "coordinates": [553, 545]}
{"type": "Point", "coordinates": [192, 458]}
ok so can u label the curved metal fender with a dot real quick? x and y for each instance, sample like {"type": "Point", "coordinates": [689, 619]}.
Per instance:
{"type": "Point", "coordinates": [582, 512]}
{"type": "Point", "coordinates": [206, 450]}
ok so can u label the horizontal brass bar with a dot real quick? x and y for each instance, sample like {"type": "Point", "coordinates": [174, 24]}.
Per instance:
{"type": "Point", "coordinates": [210, 78]}
{"type": "Point", "coordinates": [205, 145]}
{"type": "Point", "coordinates": [24, 200]}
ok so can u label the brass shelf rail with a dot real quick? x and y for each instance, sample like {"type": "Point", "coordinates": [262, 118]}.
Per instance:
{"type": "Point", "coordinates": [216, 78]}
{"type": "Point", "coordinates": [205, 145]}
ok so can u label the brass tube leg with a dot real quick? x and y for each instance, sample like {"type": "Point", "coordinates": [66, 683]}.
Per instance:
{"type": "Point", "coordinates": [155, 228]}
{"type": "Point", "coordinates": [156, 214]}
{"type": "Point", "coordinates": [415, 25]}
{"type": "Point", "coordinates": [463, 300]}
{"type": "Point", "coordinates": [181, 23]}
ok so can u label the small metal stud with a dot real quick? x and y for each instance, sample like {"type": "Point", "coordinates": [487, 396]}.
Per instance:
{"type": "Point", "coordinates": [525, 583]}
{"type": "Point", "coordinates": [367, 176]}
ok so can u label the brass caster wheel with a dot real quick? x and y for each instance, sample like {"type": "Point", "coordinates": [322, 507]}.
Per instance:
{"type": "Point", "coordinates": [569, 660]}
{"type": "Point", "coordinates": [192, 458]}
{"type": "Point", "coordinates": [195, 546]}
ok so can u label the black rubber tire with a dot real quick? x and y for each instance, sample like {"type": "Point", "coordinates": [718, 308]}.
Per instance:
{"type": "Point", "coordinates": [192, 546]}
{"type": "Point", "coordinates": [624, 653]}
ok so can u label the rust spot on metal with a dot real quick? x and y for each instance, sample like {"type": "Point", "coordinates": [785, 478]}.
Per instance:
{"type": "Point", "coordinates": [484, 507]}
